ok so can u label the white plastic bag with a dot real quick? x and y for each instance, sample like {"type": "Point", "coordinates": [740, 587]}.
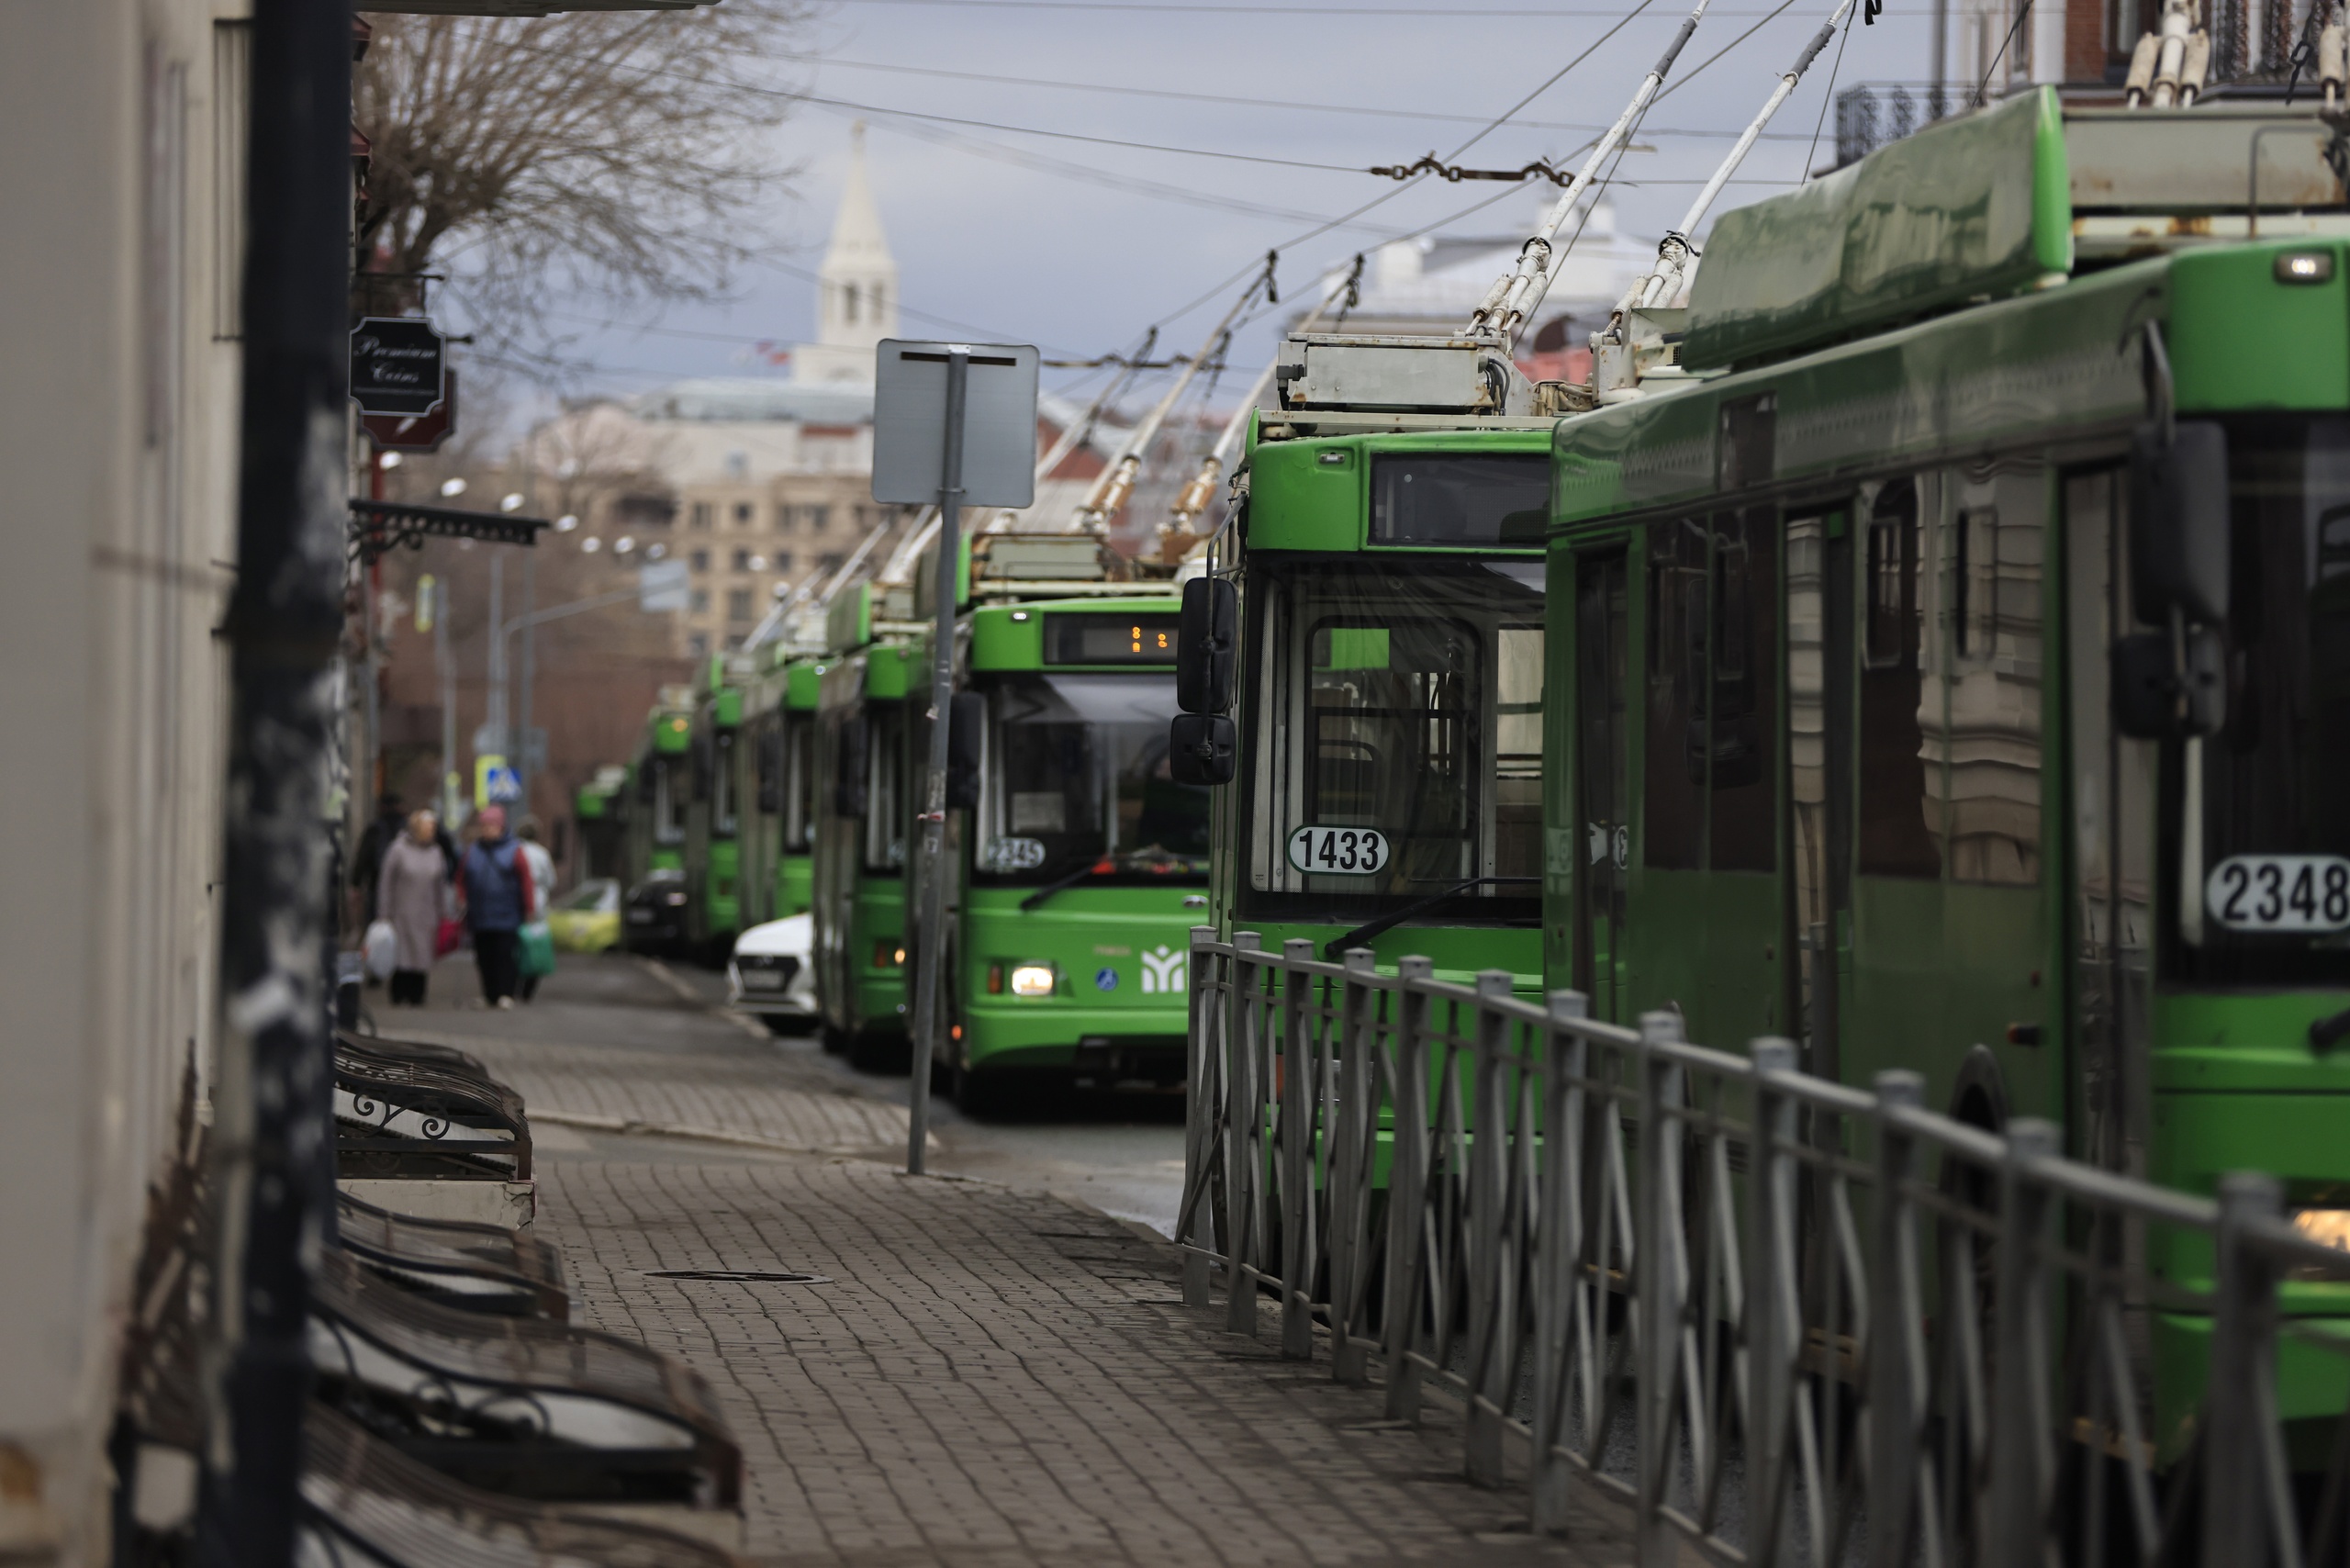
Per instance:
{"type": "Point", "coordinates": [382, 947]}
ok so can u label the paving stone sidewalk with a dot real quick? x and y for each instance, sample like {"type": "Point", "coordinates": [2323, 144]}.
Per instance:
{"type": "Point", "coordinates": [985, 1377]}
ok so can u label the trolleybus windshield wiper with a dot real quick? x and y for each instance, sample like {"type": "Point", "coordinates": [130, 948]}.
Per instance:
{"type": "Point", "coordinates": [1151, 859]}
{"type": "Point", "coordinates": [1335, 949]}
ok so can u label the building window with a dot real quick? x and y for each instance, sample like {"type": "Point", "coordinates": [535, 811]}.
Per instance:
{"type": "Point", "coordinates": [782, 518]}
{"type": "Point", "coordinates": [700, 604]}
{"type": "Point", "coordinates": [818, 518]}
{"type": "Point", "coordinates": [738, 604]}
{"type": "Point", "coordinates": [848, 302]}
{"type": "Point", "coordinates": [828, 563]}
{"type": "Point", "coordinates": [700, 517]}
{"type": "Point", "coordinates": [701, 560]}
{"type": "Point", "coordinates": [741, 514]}
{"type": "Point", "coordinates": [877, 297]}
{"type": "Point", "coordinates": [742, 561]}
{"type": "Point", "coordinates": [783, 560]}
{"type": "Point", "coordinates": [698, 645]}
{"type": "Point", "coordinates": [738, 465]}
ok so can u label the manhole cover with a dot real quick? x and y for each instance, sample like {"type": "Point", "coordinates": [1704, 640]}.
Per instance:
{"type": "Point", "coordinates": [743, 1276]}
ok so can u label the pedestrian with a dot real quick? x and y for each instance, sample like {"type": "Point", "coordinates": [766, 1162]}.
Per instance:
{"type": "Point", "coordinates": [495, 880]}
{"type": "Point", "coordinates": [412, 890]}
{"type": "Point", "coordinates": [541, 879]}
{"type": "Point", "coordinates": [375, 840]}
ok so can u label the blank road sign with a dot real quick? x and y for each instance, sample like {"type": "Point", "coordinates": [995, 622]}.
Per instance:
{"type": "Point", "coordinates": [909, 423]}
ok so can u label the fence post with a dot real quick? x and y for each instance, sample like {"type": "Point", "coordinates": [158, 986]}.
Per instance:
{"type": "Point", "coordinates": [2022, 1463]}
{"type": "Point", "coordinates": [1407, 1176]}
{"type": "Point", "coordinates": [1657, 1285]}
{"type": "Point", "coordinates": [1200, 1082]}
{"type": "Point", "coordinates": [1354, 1132]}
{"type": "Point", "coordinates": [1896, 1356]}
{"type": "Point", "coordinates": [1557, 1251]}
{"type": "Point", "coordinates": [1492, 1301]}
{"type": "Point", "coordinates": [1244, 1135]}
{"type": "Point", "coordinates": [1293, 1148]}
{"type": "Point", "coordinates": [1774, 1298]}
{"type": "Point", "coordinates": [2243, 1358]}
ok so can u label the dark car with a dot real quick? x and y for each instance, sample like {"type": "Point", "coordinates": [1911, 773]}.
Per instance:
{"type": "Point", "coordinates": [653, 921]}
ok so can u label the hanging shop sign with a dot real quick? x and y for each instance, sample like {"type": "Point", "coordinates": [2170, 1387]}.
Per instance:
{"type": "Point", "coordinates": [399, 366]}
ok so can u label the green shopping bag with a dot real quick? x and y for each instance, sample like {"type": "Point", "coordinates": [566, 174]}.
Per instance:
{"type": "Point", "coordinates": [536, 949]}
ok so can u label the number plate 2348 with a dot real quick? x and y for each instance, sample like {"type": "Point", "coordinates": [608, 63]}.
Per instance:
{"type": "Point", "coordinates": [2279, 892]}
{"type": "Point", "coordinates": [1338, 851]}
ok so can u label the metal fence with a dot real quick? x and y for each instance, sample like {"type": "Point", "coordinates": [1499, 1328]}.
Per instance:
{"type": "Point", "coordinates": [1787, 1321]}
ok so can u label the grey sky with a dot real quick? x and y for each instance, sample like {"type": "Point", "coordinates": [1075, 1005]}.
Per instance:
{"type": "Point", "coordinates": [998, 231]}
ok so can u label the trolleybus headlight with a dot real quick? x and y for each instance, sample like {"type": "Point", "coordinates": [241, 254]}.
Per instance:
{"type": "Point", "coordinates": [2305, 267]}
{"type": "Point", "coordinates": [2327, 1227]}
{"type": "Point", "coordinates": [1032, 979]}
{"type": "Point", "coordinates": [887, 954]}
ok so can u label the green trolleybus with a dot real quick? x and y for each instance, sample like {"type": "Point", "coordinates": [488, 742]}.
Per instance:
{"type": "Point", "coordinates": [1951, 649]}
{"type": "Point", "coordinates": [714, 812]}
{"type": "Point", "coordinates": [1078, 863]}
{"type": "Point", "coordinates": [659, 781]}
{"type": "Point", "coordinates": [776, 771]}
{"type": "Point", "coordinates": [1386, 787]}
{"type": "Point", "coordinates": [857, 880]}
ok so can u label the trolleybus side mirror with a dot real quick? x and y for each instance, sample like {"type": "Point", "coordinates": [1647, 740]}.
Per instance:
{"type": "Point", "coordinates": [970, 712]}
{"type": "Point", "coordinates": [1202, 748]}
{"type": "Point", "coordinates": [848, 777]}
{"type": "Point", "coordinates": [2172, 681]}
{"type": "Point", "coordinates": [1206, 639]}
{"type": "Point", "coordinates": [2178, 522]}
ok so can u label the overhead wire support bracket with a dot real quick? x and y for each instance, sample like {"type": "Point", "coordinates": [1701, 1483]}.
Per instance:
{"type": "Point", "coordinates": [376, 528]}
{"type": "Point", "coordinates": [1540, 169]}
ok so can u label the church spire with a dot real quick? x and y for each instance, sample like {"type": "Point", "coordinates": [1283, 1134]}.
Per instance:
{"type": "Point", "coordinates": [856, 294]}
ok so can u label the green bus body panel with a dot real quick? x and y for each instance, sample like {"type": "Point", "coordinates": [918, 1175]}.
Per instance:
{"type": "Point", "coordinates": [1296, 501]}
{"type": "Point", "coordinates": [1977, 204]}
{"type": "Point", "coordinates": [794, 885]}
{"type": "Point", "coordinates": [666, 860]}
{"type": "Point", "coordinates": [1086, 933]}
{"type": "Point", "coordinates": [726, 708]}
{"type": "Point", "coordinates": [802, 678]}
{"type": "Point", "coordinates": [878, 914]}
{"type": "Point", "coordinates": [722, 897]}
{"type": "Point", "coordinates": [890, 671]}
{"type": "Point", "coordinates": [672, 731]}
{"type": "Point", "coordinates": [2015, 371]}
{"type": "Point", "coordinates": [1458, 952]}
{"type": "Point", "coordinates": [2239, 339]}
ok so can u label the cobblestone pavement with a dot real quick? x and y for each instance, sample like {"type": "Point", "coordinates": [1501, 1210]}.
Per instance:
{"type": "Point", "coordinates": [983, 1376]}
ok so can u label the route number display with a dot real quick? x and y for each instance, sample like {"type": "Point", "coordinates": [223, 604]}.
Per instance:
{"type": "Point", "coordinates": [2280, 894]}
{"type": "Point", "coordinates": [1338, 851]}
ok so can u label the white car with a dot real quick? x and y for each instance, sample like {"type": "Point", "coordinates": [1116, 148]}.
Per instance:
{"type": "Point", "coordinates": [772, 975]}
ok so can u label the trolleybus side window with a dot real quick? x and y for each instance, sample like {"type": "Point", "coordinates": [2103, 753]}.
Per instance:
{"type": "Point", "coordinates": [1985, 756]}
{"type": "Point", "coordinates": [1456, 498]}
{"type": "Point", "coordinates": [1517, 751]}
{"type": "Point", "coordinates": [668, 811]}
{"type": "Point", "coordinates": [885, 825]}
{"type": "Point", "coordinates": [1897, 813]}
{"type": "Point", "coordinates": [798, 781]}
{"type": "Point", "coordinates": [721, 788]}
{"type": "Point", "coordinates": [1713, 692]}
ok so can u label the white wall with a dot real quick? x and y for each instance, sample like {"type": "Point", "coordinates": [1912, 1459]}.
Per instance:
{"type": "Point", "coordinates": [118, 415]}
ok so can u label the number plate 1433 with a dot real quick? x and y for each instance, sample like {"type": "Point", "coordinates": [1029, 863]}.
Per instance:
{"type": "Point", "coordinates": [1338, 851]}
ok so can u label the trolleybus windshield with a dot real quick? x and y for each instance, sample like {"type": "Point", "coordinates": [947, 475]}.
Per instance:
{"type": "Point", "coordinates": [1076, 777]}
{"type": "Point", "coordinates": [798, 782]}
{"type": "Point", "coordinates": [884, 834]}
{"type": "Point", "coordinates": [721, 784]}
{"type": "Point", "coordinates": [1395, 745]}
{"type": "Point", "coordinates": [2268, 886]}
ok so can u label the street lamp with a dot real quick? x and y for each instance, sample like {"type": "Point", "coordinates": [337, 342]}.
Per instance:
{"type": "Point", "coordinates": [452, 487]}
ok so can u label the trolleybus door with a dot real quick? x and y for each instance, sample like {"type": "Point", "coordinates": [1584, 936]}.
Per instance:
{"type": "Point", "coordinates": [1818, 921]}
{"type": "Point", "coordinates": [1603, 848]}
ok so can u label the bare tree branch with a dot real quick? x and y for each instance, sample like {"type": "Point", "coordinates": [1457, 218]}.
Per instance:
{"type": "Point", "coordinates": [622, 155]}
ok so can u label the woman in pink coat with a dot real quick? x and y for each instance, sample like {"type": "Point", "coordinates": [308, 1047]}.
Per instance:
{"type": "Point", "coordinates": [412, 892]}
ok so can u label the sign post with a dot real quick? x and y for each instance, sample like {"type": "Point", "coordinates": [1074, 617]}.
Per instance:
{"type": "Point", "coordinates": [952, 423]}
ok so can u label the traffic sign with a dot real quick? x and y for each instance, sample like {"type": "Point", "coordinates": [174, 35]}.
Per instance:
{"type": "Point", "coordinates": [495, 784]}
{"type": "Point", "coordinates": [399, 366]}
{"type": "Point", "coordinates": [663, 585]}
{"type": "Point", "coordinates": [999, 444]}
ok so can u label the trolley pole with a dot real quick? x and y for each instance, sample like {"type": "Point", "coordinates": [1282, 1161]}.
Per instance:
{"type": "Point", "coordinates": [930, 867]}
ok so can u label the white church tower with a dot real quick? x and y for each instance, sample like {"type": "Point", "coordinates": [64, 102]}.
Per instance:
{"type": "Point", "coordinates": [857, 294]}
